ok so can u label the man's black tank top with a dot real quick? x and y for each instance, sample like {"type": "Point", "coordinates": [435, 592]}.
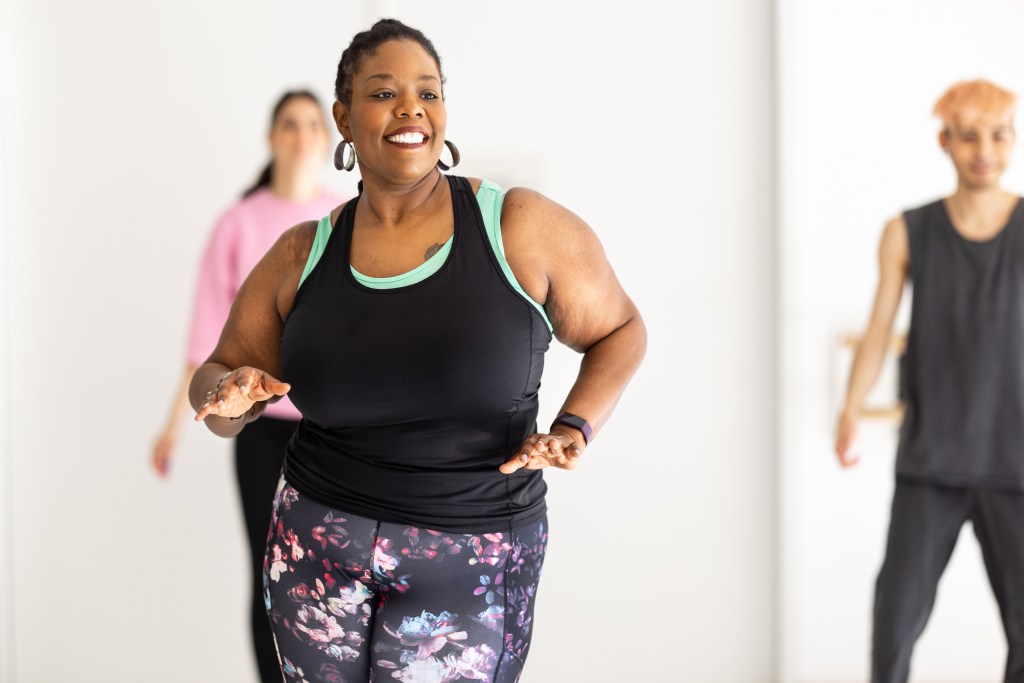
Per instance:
{"type": "Point", "coordinates": [412, 397]}
{"type": "Point", "coordinates": [964, 364]}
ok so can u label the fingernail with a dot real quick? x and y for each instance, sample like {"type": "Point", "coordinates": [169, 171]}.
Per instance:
{"type": "Point", "coordinates": [524, 457]}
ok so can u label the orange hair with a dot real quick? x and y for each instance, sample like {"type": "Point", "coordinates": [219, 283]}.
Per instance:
{"type": "Point", "coordinates": [979, 94]}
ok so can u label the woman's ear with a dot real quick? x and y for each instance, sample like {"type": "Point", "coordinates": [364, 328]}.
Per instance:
{"type": "Point", "coordinates": [340, 112]}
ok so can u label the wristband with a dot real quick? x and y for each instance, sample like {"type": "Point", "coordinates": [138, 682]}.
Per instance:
{"type": "Point", "coordinates": [576, 422]}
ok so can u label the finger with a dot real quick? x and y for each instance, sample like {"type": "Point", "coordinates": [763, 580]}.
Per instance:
{"type": "Point", "coordinates": [556, 456]}
{"type": "Point", "coordinates": [161, 458]}
{"type": "Point", "coordinates": [550, 449]}
{"type": "Point", "coordinates": [238, 393]}
{"type": "Point", "coordinates": [244, 378]}
{"type": "Point", "coordinates": [276, 388]}
{"type": "Point", "coordinates": [273, 384]}
{"type": "Point", "coordinates": [533, 447]}
{"type": "Point", "coordinates": [214, 406]}
{"type": "Point", "coordinates": [262, 393]}
{"type": "Point", "coordinates": [563, 449]}
{"type": "Point", "coordinates": [527, 450]}
{"type": "Point", "coordinates": [845, 451]}
{"type": "Point", "coordinates": [567, 451]}
{"type": "Point", "coordinates": [205, 410]}
{"type": "Point", "coordinates": [515, 463]}
{"type": "Point", "coordinates": [571, 457]}
{"type": "Point", "coordinates": [261, 385]}
{"type": "Point", "coordinates": [554, 446]}
{"type": "Point", "coordinates": [842, 451]}
{"type": "Point", "coordinates": [538, 462]}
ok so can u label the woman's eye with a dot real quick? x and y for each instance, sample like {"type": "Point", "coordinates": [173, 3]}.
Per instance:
{"type": "Point", "coordinates": [383, 95]}
{"type": "Point", "coordinates": [429, 96]}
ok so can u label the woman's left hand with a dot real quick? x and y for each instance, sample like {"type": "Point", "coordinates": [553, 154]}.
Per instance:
{"type": "Point", "coordinates": [545, 450]}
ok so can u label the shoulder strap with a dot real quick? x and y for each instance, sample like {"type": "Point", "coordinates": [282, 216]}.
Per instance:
{"type": "Point", "coordinates": [491, 198]}
{"type": "Point", "coordinates": [323, 233]}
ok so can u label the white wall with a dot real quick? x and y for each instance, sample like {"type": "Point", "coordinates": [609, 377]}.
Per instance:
{"type": "Point", "coordinates": [857, 146]}
{"type": "Point", "coordinates": [132, 124]}
{"type": "Point", "coordinates": [6, 485]}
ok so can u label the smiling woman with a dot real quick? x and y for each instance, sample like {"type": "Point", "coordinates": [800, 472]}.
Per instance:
{"type": "Point", "coordinates": [409, 327]}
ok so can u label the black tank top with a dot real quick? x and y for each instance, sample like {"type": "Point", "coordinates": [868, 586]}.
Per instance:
{"type": "Point", "coordinates": [412, 397]}
{"type": "Point", "coordinates": [964, 364]}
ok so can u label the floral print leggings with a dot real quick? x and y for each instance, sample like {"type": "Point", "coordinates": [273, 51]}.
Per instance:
{"type": "Point", "coordinates": [354, 600]}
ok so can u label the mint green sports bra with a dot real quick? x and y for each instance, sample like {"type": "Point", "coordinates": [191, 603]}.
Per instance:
{"type": "Point", "coordinates": [490, 198]}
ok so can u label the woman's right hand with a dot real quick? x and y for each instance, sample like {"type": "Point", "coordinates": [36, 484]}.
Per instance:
{"type": "Point", "coordinates": [238, 391]}
{"type": "Point", "coordinates": [163, 451]}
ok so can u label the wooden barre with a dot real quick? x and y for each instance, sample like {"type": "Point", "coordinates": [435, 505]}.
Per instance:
{"type": "Point", "coordinates": [890, 414]}
{"type": "Point", "coordinates": [897, 343]}
{"type": "Point", "coordinates": [897, 346]}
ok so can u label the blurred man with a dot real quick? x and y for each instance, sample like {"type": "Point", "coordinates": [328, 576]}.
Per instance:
{"type": "Point", "coordinates": [961, 451]}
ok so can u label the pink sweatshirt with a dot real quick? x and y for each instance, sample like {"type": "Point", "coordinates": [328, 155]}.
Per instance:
{"type": "Point", "coordinates": [240, 239]}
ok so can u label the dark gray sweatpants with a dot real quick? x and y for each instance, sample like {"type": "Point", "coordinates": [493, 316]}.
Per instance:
{"type": "Point", "coordinates": [923, 529]}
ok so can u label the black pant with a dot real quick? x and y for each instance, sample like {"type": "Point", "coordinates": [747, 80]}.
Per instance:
{"type": "Point", "coordinates": [923, 530]}
{"type": "Point", "coordinates": [259, 455]}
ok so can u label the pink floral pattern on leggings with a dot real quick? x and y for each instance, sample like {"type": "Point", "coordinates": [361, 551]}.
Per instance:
{"type": "Point", "coordinates": [354, 600]}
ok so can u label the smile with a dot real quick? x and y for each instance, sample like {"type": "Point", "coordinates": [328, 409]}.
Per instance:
{"type": "Point", "coordinates": [407, 138]}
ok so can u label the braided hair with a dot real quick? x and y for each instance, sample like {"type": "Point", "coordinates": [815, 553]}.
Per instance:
{"type": "Point", "coordinates": [364, 44]}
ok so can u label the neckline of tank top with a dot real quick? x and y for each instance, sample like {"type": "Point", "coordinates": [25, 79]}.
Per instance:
{"type": "Point", "coordinates": [435, 261]}
{"type": "Point", "coordinates": [447, 253]}
{"type": "Point", "coordinates": [948, 219]}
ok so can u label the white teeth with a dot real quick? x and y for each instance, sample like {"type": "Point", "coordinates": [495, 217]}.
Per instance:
{"type": "Point", "coordinates": [407, 138]}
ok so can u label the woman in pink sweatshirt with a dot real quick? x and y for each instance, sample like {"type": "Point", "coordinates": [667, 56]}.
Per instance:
{"type": "Point", "coordinates": [288, 191]}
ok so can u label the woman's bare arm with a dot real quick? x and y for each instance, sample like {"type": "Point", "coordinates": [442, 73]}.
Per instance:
{"type": "Point", "coordinates": [561, 264]}
{"type": "Point", "coordinates": [241, 373]}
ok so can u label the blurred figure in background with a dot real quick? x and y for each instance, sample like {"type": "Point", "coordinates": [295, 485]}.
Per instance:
{"type": "Point", "coordinates": [288, 191]}
{"type": "Point", "coordinates": [961, 451]}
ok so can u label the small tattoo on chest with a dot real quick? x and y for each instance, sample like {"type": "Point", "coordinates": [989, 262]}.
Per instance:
{"type": "Point", "coordinates": [431, 250]}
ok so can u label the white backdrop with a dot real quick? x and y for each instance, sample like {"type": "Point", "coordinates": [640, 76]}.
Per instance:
{"type": "Point", "coordinates": [857, 145]}
{"type": "Point", "coordinates": [130, 126]}
{"type": "Point", "coordinates": [6, 485]}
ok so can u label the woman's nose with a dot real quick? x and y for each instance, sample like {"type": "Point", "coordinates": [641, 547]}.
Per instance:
{"type": "Point", "coordinates": [408, 105]}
